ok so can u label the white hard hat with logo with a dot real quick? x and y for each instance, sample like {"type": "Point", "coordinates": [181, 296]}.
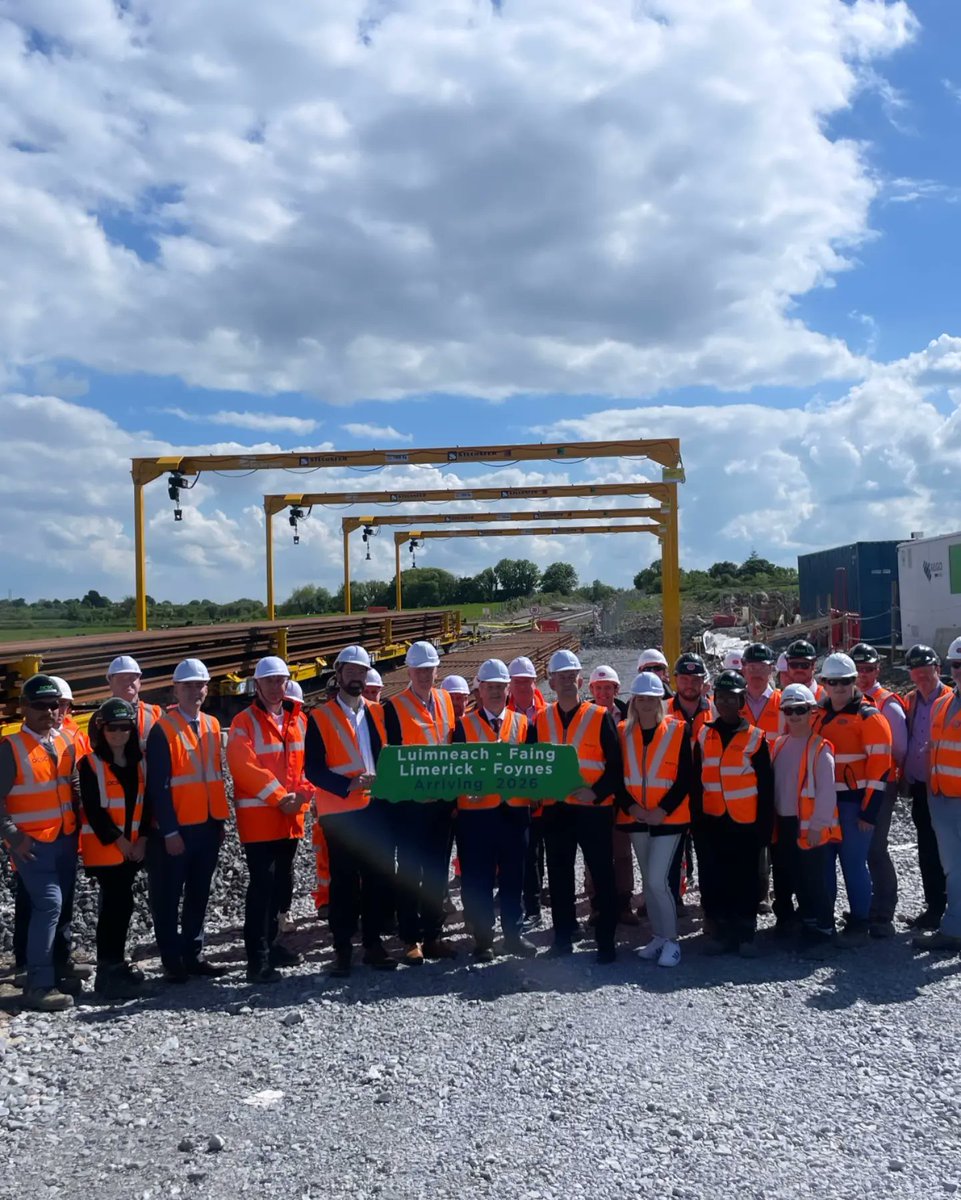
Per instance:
{"type": "Point", "coordinates": [797, 694]}
{"type": "Point", "coordinates": [604, 674]}
{"type": "Point", "coordinates": [191, 670]}
{"type": "Point", "coordinates": [493, 671]}
{"type": "Point", "coordinates": [456, 685]}
{"type": "Point", "coordinates": [839, 666]}
{"type": "Point", "coordinates": [293, 691]}
{"type": "Point", "coordinates": [65, 690]}
{"type": "Point", "coordinates": [373, 679]}
{"type": "Point", "coordinates": [651, 658]}
{"type": "Point", "coordinates": [123, 664]}
{"type": "Point", "coordinates": [271, 665]}
{"type": "Point", "coordinates": [422, 654]}
{"type": "Point", "coordinates": [521, 668]}
{"type": "Point", "coordinates": [352, 655]}
{"type": "Point", "coordinates": [647, 684]}
{"type": "Point", "coordinates": [733, 661]}
{"type": "Point", "coordinates": [954, 652]}
{"type": "Point", "coordinates": [563, 660]}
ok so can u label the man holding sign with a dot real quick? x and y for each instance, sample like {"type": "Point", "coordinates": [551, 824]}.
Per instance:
{"type": "Point", "coordinates": [493, 828]}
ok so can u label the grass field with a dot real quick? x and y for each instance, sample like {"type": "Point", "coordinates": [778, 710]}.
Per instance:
{"type": "Point", "coordinates": [52, 629]}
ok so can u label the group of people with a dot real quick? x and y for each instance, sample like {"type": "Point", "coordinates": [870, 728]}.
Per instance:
{"type": "Point", "coordinates": [749, 781]}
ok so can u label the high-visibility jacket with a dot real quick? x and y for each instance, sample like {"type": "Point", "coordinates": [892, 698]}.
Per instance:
{"type": "Point", "coordinates": [147, 716]}
{"type": "Point", "coordinates": [73, 733]}
{"type": "Point", "coordinates": [705, 713]}
{"type": "Point", "coordinates": [651, 770]}
{"type": "Point", "coordinates": [196, 776]}
{"type": "Point", "coordinates": [514, 731]}
{"type": "Point", "coordinates": [879, 696]}
{"type": "Point", "coordinates": [861, 739]}
{"type": "Point", "coordinates": [420, 727]}
{"type": "Point", "coordinates": [945, 777]}
{"type": "Point", "coordinates": [769, 718]}
{"type": "Point", "coordinates": [93, 851]}
{"type": "Point", "coordinates": [728, 778]}
{"type": "Point", "coordinates": [584, 734]}
{"type": "Point", "coordinates": [266, 760]}
{"type": "Point", "coordinates": [344, 755]}
{"type": "Point", "coordinates": [807, 775]}
{"type": "Point", "coordinates": [40, 802]}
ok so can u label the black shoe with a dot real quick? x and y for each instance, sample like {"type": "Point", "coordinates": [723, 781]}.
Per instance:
{"type": "Point", "coordinates": [605, 955]}
{"type": "Point", "coordinates": [265, 974]}
{"type": "Point", "coordinates": [560, 950]}
{"type": "Point", "coordinates": [483, 952]}
{"type": "Point", "coordinates": [926, 920]}
{"type": "Point", "coordinates": [786, 929]}
{"type": "Point", "coordinates": [280, 956]}
{"type": "Point", "coordinates": [340, 967]}
{"type": "Point", "coordinates": [175, 973]}
{"type": "Point", "coordinates": [520, 947]}
{"type": "Point", "coordinates": [204, 969]}
{"type": "Point", "coordinates": [134, 974]}
{"type": "Point", "coordinates": [113, 983]}
{"type": "Point", "coordinates": [377, 957]}
{"type": "Point", "coordinates": [882, 929]}
{"type": "Point", "coordinates": [73, 970]}
{"type": "Point", "coordinates": [68, 986]}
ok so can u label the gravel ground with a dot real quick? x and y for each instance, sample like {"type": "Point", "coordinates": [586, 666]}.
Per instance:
{"type": "Point", "coordinates": [771, 1078]}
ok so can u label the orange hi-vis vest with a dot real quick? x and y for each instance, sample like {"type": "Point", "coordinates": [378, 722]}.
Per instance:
{"type": "Point", "coordinates": [728, 779]}
{"type": "Point", "coordinates": [514, 731]}
{"type": "Point", "coordinates": [701, 717]}
{"type": "Point", "coordinates": [769, 720]}
{"type": "Point", "coordinates": [807, 775]}
{"type": "Point", "coordinates": [73, 733]}
{"type": "Point", "coordinates": [879, 696]}
{"type": "Point", "coordinates": [945, 777]}
{"type": "Point", "coordinates": [147, 716]}
{"type": "Point", "coordinates": [650, 771]}
{"type": "Point", "coordinates": [40, 803]}
{"type": "Point", "coordinates": [862, 748]}
{"type": "Point", "coordinates": [418, 726]}
{"type": "Point", "coordinates": [344, 755]}
{"type": "Point", "coordinates": [266, 761]}
{"type": "Point", "coordinates": [584, 734]}
{"type": "Point", "coordinates": [92, 849]}
{"type": "Point", "coordinates": [196, 777]}
{"type": "Point", "coordinates": [539, 704]}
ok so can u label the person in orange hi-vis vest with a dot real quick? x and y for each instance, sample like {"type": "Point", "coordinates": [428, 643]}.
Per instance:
{"type": "Point", "coordinates": [763, 709]}
{"type": "Point", "coordinates": [113, 838]}
{"type": "Point", "coordinates": [732, 812]}
{"type": "Point", "coordinates": [585, 818]}
{"type": "Point", "coordinates": [38, 824]}
{"type": "Point", "coordinates": [690, 704]}
{"type": "Point", "coordinates": [801, 658]}
{"type": "Point", "coordinates": [884, 878]}
{"type": "Point", "coordinates": [653, 807]}
{"type": "Point", "coordinates": [861, 740]}
{"type": "Point", "coordinates": [343, 742]}
{"type": "Point", "coordinates": [188, 801]}
{"type": "Point", "coordinates": [806, 824]}
{"type": "Point", "coordinates": [265, 754]}
{"type": "Point", "coordinates": [373, 686]}
{"type": "Point", "coordinates": [66, 722]}
{"type": "Point", "coordinates": [944, 800]}
{"type": "Point", "coordinates": [525, 697]}
{"type": "Point", "coordinates": [421, 715]}
{"type": "Point", "coordinates": [493, 829]}
{"type": "Point", "coordinates": [124, 678]}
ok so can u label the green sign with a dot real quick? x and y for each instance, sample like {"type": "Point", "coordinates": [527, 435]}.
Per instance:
{"type": "Point", "coordinates": [535, 772]}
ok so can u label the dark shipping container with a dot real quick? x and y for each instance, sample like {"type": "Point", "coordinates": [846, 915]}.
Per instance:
{"type": "Point", "coordinates": [870, 568]}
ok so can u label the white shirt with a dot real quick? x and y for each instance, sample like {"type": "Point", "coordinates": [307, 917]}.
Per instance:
{"type": "Point", "coordinates": [358, 718]}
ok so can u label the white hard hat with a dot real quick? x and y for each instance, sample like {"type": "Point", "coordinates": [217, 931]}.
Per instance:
{"type": "Point", "coordinates": [123, 664]}
{"type": "Point", "coordinates": [191, 670]}
{"type": "Point", "coordinates": [797, 693]}
{"type": "Point", "coordinates": [839, 666]}
{"type": "Point", "coordinates": [521, 668]}
{"type": "Point", "coordinates": [493, 671]}
{"type": "Point", "coordinates": [293, 691]}
{"type": "Point", "coordinates": [647, 684]}
{"type": "Point", "coordinates": [651, 658]}
{"type": "Point", "coordinates": [781, 664]}
{"type": "Point", "coordinates": [373, 679]}
{"type": "Point", "coordinates": [65, 692]}
{"type": "Point", "coordinates": [732, 661]}
{"type": "Point", "coordinates": [456, 684]}
{"type": "Point", "coordinates": [563, 660]}
{"type": "Point", "coordinates": [604, 674]}
{"type": "Point", "coordinates": [355, 655]}
{"type": "Point", "coordinates": [954, 651]}
{"type": "Point", "coordinates": [422, 654]}
{"type": "Point", "coordinates": [271, 665]}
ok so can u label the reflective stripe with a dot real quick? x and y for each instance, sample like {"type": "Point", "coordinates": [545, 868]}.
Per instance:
{"type": "Point", "coordinates": [876, 748]}
{"type": "Point", "coordinates": [436, 726]}
{"type": "Point", "coordinates": [559, 734]}
{"type": "Point", "coordinates": [38, 815]}
{"type": "Point", "coordinates": [849, 758]}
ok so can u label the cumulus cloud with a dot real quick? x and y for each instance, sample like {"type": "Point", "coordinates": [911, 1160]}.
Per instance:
{"type": "Point", "coordinates": [376, 433]}
{"type": "Point", "coordinates": [459, 197]}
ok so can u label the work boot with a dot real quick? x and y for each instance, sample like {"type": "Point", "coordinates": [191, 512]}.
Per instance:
{"type": "Point", "coordinates": [855, 933]}
{"type": "Point", "coordinates": [204, 969]}
{"type": "Point", "coordinates": [262, 973]}
{"type": "Point", "coordinates": [925, 920]}
{"type": "Point", "coordinates": [439, 948]}
{"type": "Point", "coordinates": [47, 1000]}
{"type": "Point", "coordinates": [520, 947]}
{"type": "Point", "coordinates": [341, 966]}
{"type": "Point", "coordinates": [882, 929]}
{"type": "Point", "coordinates": [936, 940]}
{"type": "Point", "coordinates": [377, 957]}
{"type": "Point", "coordinates": [113, 983]}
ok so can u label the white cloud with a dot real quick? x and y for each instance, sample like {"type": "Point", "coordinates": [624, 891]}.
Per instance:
{"type": "Point", "coordinates": [376, 433]}
{"type": "Point", "coordinates": [260, 421]}
{"type": "Point", "coordinates": [557, 196]}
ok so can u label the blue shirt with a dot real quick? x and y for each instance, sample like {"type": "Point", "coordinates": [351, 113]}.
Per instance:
{"type": "Point", "coordinates": [919, 735]}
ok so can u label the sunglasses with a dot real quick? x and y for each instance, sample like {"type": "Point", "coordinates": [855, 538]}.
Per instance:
{"type": "Point", "coordinates": [44, 705]}
{"type": "Point", "coordinates": [118, 727]}
{"type": "Point", "coordinates": [799, 664]}
{"type": "Point", "coordinates": [954, 665]}
{"type": "Point", "coordinates": [837, 682]}
{"type": "Point", "coordinates": [800, 710]}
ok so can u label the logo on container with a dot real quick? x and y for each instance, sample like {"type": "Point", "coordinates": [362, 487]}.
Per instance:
{"type": "Point", "coordinates": [932, 570]}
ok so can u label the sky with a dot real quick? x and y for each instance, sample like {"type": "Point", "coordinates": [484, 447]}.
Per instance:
{"type": "Point", "coordinates": [237, 227]}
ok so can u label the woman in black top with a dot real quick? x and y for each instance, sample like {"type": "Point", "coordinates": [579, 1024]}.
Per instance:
{"type": "Point", "coordinates": [112, 798]}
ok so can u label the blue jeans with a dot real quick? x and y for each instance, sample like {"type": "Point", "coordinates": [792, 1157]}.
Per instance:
{"type": "Point", "coordinates": [946, 819]}
{"type": "Point", "coordinates": [49, 879]}
{"type": "Point", "coordinates": [175, 877]}
{"type": "Point", "coordinates": [492, 844]}
{"type": "Point", "coordinates": [852, 850]}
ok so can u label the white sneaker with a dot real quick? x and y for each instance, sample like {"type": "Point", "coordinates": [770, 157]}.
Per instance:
{"type": "Point", "coordinates": [652, 949]}
{"type": "Point", "coordinates": [670, 955]}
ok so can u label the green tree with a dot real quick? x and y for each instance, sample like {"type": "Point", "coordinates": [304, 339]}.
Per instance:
{"type": "Point", "coordinates": [517, 577]}
{"type": "Point", "coordinates": [93, 599]}
{"type": "Point", "coordinates": [754, 566]}
{"type": "Point", "coordinates": [560, 577]}
{"type": "Point", "coordinates": [649, 580]}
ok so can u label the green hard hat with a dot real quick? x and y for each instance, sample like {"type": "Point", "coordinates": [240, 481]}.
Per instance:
{"type": "Point", "coordinates": [116, 709]}
{"type": "Point", "coordinates": [40, 687]}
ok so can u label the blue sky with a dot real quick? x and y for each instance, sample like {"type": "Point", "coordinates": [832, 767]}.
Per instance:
{"type": "Point", "coordinates": [737, 225]}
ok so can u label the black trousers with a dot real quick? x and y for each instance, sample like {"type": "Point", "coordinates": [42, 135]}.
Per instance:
{"type": "Point", "coordinates": [492, 843]}
{"type": "Point", "coordinates": [114, 910]}
{"type": "Point", "coordinates": [534, 868]}
{"type": "Point", "coordinates": [62, 939]}
{"type": "Point", "coordinates": [567, 827]}
{"type": "Point", "coordinates": [929, 860]}
{"type": "Point", "coordinates": [361, 856]}
{"type": "Point", "coordinates": [422, 836]}
{"type": "Point", "coordinates": [727, 859]}
{"type": "Point", "coordinates": [804, 874]}
{"type": "Point", "coordinates": [270, 880]}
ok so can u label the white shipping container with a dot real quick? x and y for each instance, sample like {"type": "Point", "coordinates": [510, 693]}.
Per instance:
{"type": "Point", "coordinates": [929, 582]}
